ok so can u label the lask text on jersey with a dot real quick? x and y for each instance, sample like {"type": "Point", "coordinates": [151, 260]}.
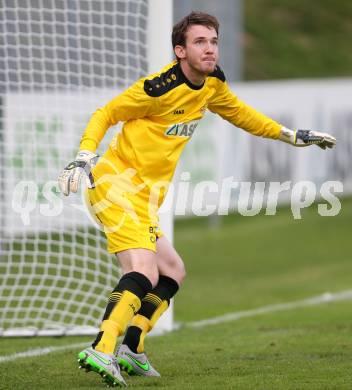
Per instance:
{"type": "Point", "coordinates": [182, 129]}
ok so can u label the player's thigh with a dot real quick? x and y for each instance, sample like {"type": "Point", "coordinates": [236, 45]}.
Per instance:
{"type": "Point", "coordinates": [119, 202]}
{"type": "Point", "coordinates": [139, 260]}
{"type": "Point", "coordinates": [169, 262]}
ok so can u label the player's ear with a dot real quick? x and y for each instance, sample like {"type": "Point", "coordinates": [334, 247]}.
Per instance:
{"type": "Point", "coordinates": [180, 51]}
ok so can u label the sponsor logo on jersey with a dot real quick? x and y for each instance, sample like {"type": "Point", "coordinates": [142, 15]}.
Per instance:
{"type": "Point", "coordinates": [179, 112]}
{"type": "Point", "coordinates": [182, 129]}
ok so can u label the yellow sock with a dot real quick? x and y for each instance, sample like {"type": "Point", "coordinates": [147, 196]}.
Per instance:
{"type": "Point", "coordinates": [154, 304]}
{"type": "Point", "coordinates": [146, 325]}
{"type": "Point", "coordinates": [116, 324]}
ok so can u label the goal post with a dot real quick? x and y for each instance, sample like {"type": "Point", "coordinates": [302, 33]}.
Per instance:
{"type": "Point", "coordinates": [60, 61]}
{"type": "Point", "coordinates": [160, 21]}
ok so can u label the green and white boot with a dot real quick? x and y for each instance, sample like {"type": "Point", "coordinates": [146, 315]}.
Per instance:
{"type": "Point", "coordinates": [103, 364]}
{"type": "Point", "coordinates": [134, 363]}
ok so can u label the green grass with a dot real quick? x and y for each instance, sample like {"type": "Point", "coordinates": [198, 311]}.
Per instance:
{"type": "Point", "coordinates": [290, 39]}
{"type": "Point", "coordinates": [263, 259]}
{"type": "Point", "coordinates": [301, 349]}
{"type": "Point", "coordinates": [247, 262]}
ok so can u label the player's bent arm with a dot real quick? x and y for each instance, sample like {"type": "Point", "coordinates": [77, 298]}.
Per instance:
{"type": "Point", "coordinates": [95, 130]}
{"type": "Point", "coordinates": [131, 104]}
{"type": "Point", "coordinates": [70, 178]}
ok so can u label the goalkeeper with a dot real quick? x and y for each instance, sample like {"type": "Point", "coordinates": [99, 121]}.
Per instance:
{"type": "Point", "coordinates": [160, 113]}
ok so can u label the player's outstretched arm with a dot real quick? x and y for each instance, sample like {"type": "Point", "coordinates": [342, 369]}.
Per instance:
{"type": "Point", "coordinates": [70, 177]}
{"type": "Point", "coordinates": [307, 137]}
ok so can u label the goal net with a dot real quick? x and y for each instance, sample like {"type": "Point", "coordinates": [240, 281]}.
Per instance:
{"type": "Point", "coordinates": [59, 61]}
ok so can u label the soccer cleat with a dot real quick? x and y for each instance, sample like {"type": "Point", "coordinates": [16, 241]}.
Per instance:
{"type": "Point", "coordinates": [105, 365]}
{"type": "Point", "coordinates": [134, 363]}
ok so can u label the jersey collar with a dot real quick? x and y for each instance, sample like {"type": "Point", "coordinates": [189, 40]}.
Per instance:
{"type": "Point", "coordinates": [186, 81]}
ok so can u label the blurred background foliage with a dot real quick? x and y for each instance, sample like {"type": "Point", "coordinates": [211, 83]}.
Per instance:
{"type": "Point", "coordinates": [297, 39]}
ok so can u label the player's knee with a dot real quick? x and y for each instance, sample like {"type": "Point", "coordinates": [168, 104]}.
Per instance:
{"type": "Point", "coordinates": [151, 274]}
{"type": "Point", "coordinates": [178, 271]}
{"type": "Point", "coordinates": [154, 278]}
{"type": "Point", "coordinates": [181, 273]}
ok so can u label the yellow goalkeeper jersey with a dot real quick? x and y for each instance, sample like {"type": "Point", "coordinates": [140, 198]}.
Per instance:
{"type": "Point", "coordinates": [161, 113]}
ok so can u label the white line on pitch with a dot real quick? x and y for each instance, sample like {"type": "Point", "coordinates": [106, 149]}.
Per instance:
{"type": "Point", "coordinates": [320, 299]}
{"type": "Point", "coordinates": [39, 352]}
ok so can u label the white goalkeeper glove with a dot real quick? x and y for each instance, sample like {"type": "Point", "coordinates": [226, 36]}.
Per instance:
{"type": "Point", "coordinates": [307, 137]}
{"type": "Point", "coordinates": [70, 177]}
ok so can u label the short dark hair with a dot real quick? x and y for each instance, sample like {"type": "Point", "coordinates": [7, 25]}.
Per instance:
{"type": "Point", "coordinates": [180, 29]}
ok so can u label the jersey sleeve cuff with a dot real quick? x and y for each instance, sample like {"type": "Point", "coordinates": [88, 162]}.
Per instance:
{"type": "Point", "coordinates": [88, 145]}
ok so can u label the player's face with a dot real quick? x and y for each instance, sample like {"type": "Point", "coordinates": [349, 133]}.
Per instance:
{"type": "Point", "coordinates": [201, 52]}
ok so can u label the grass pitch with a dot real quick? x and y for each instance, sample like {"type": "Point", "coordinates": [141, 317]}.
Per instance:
{"type": "Point", "coordinates": [248, 262]}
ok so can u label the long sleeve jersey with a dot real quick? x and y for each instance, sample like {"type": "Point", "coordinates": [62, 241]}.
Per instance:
{"type": "Point", "coordinates": [161, 113]}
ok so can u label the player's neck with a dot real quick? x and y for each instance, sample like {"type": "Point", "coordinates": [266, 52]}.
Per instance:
{"type": "Point", "coordinates": [192, 75]}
